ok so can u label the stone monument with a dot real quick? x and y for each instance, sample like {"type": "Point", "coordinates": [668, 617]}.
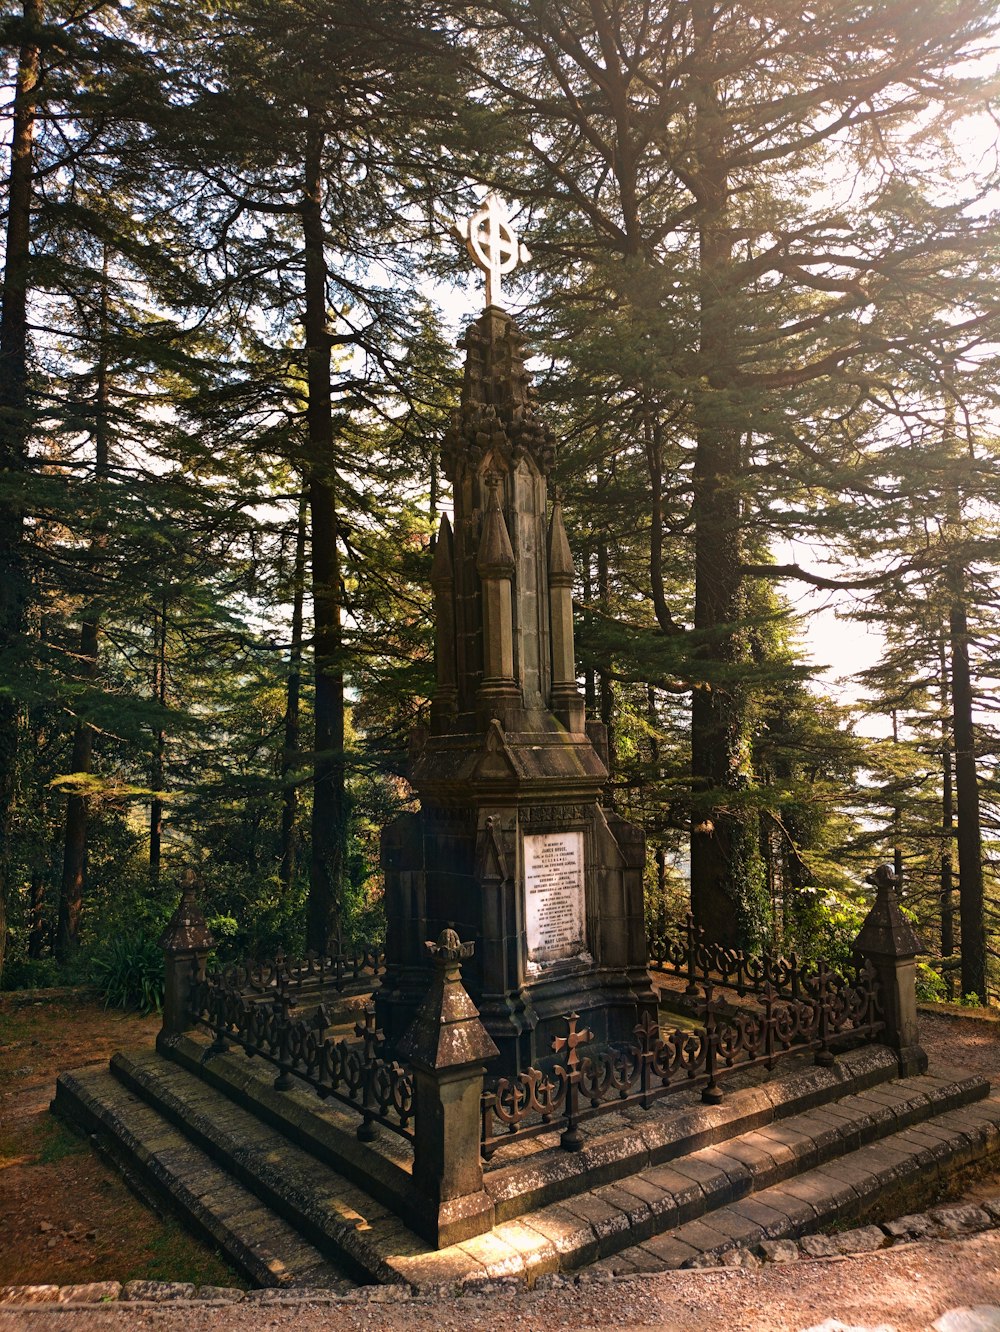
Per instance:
{"type": "Point", "coordinates": [513, 847]}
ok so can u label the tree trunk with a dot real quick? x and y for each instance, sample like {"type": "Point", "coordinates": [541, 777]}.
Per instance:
{"type": "Point", "coordinates": [36, 932]}
{"type": "Point", "coordinates": [77, 804]}
{"type": "Point", "coordinates": [897, 813]}
{"type": "Point", "coordinates": [324, 924]}
{"type": "Point", "coordinates": [728, 891]}
{"type": "Point", "coordinates": [947, 821]}
{"type": "Point", "coordinates": [290, 752]}
{"type": "Point", "coordinates": [605, 684]}
{"type": "Point", "coordinates": [970, 848]}
{"type": "Point", "coordinates": [14, 421]}
{"type": "Point", "coordinates": [158, 766]}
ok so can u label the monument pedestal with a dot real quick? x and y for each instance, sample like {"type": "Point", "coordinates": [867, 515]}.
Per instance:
{"type": "Point", "coordinates": [512, 846]}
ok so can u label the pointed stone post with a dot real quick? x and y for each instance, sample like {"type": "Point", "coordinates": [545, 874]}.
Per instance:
{"type": "Point", "coordinates": [444, 705]}
{"type": "Point", "coordinates": [495, 564]}
{"type": "Point", "coordinates": [186, 942]}
{"type": "Point", "coordinates": [567, 703]}
{"type": "Point", "coordinates": [447, 1047]}
{"type": "Point", "coordinates": [888, 941]}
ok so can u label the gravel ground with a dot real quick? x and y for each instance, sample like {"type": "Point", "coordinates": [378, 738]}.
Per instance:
{"type": "Point", "coordinates": [907, 1288]}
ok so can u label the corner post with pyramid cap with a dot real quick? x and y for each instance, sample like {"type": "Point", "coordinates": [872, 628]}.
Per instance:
{"type": "Point", "coordinates": [186, 942]}
{"type": "Point", "coordinates": [889, 943]}
{"type": "Point", "coordinates": [513, 842]}
{"type": "Point", "coordinates": [448, 1048]}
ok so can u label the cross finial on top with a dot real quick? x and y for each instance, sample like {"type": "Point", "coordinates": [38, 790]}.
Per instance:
{"type": "Point", "coordinates": [492, 244]}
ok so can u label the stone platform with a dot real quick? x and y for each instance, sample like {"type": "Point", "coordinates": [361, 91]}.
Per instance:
{"type": "Point", "coordinates": [279, 1182]}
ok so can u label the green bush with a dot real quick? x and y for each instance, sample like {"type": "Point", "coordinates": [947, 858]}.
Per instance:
{"type": "Point", "coordinates": [128, 971]}
{"type": "Point", "coordinates": [931, 987]}
{"type": "Point", "coordinates": [31, 973]}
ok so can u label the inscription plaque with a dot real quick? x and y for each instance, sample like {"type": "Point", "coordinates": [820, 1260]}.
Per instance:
{"type": "Point", "coordinates": [555, 915]}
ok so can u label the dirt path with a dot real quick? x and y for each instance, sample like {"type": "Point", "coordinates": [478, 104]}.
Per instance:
{"type": "Point", "coordinates": [905, 1288]}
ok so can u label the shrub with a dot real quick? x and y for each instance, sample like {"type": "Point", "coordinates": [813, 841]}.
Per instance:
{"type": "Point", "coordinates": [931, 987]}
{"type": "Point", "coordinates": [31, 973]}
{"type": "Point", "coordinates": [128, 971]}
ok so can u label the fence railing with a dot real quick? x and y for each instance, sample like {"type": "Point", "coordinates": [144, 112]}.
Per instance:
{"type": "Point", "coordinates": [683, 950]}
{"type": "Point", "coordinates": [826, 1011]}
{"type": "Point", "coordinates": [353, 970]}
{"type": "Point", "coordinates": [355, 1074]}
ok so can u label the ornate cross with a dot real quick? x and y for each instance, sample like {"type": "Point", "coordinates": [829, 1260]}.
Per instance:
{"type": "Point", "coordinates": [571, 1040]}
{"type": "Point", "coordinates": [492, 244]}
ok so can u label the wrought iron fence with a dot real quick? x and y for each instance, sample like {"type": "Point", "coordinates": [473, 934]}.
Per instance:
{"type": "Point", "coordinates": [348, 971]}
{"type": "Point", "coordinates": [684, 951]}
{"type": "Point", "coordinates": [355, 1074]}
{"type": "Point", "coordinates": [827, 1010]}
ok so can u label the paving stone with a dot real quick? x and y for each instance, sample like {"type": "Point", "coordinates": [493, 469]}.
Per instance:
{"type": "Point", "coordinates": [220, 1294]}
{"type": "Point", "coordinates": [567, 1233]}
{"type": "Point", "coordinates": [917, 1225]}
{"type": "Point", "coordinates": [634, 1208]}
{"type": "Point", "coordinates": [956, 1220]}
{"type": "Point", "coordinates": [687, 1194]}
{"type": "Point", "coordinates": [865, 1239]}
{"type": "Point", "coordinates": [498, 1258]}
{"type": "Point", "coordinates": [738, 1174]}
{"type": "Point", "coordinates": [29, 1294]}
{"type": "Point", "coordinates": [606, 1221]}
{"type": "Point", "coordinates": [158, 1291]}
{"type": "Point", "coordinates": [771, 1223]}
{"type": "Point", "coordinates": [800, 1213]}
{"type": "Point", "coordinates": [671, 1253]}
{"type": "Point", "coordinates": [704, 1237]}
{"type": "Point", "coordinates": [90, 1292]}
{"type": "Point", "coordinates": [739, 1257]}
{"type": "Point", "coordinates": [780, 1251]}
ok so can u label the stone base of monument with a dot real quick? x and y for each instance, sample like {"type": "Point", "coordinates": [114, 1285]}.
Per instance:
{"type": "Point", "coordinates": [279, 1181]}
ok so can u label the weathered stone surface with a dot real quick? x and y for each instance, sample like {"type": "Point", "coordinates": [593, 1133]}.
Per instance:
{"type": "Point", "coordinates": [917, 1225]}
{"type": "Point", "coordinates": [90, 1292]}
{"type": "Point", "coordinates": [956, 1220]}
{"type": "Point", "coordinates": [158, 1291]}
{"type": "Point", "coordinates": [992, 1205]}
{"type": "Point", "coordinates": [739, 1257]}
{"type": "Point", "coordinates": [220, 1294]}
{"type": "Point", "coordinates": [780, 1251]}
{"type": "Point", "coordinates": [866, 1239]}
{"type": "Point", "coordinates": [29, 1294]}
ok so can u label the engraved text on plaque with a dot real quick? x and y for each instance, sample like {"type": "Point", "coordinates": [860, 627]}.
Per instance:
{"type": "Point", "coordinates": [554, 896]}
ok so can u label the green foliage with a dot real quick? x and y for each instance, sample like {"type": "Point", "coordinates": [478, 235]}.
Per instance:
{"type": "Point", "coordinates": [931, 987]}
{"type": "Point", "coordinates": [128, 971]}
{"type": "Point", "coordinates": [31, 973]}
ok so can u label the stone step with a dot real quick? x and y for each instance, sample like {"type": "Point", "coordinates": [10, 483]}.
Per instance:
{"type": "Point", "coordinates": [346, 1224]}
{"type": "Point", "coordinates": [619, 1147]}
{"type": "Point", "coordinates": [782, 1180]}
{"type": "Point", "coordinates": [160, 1162]}
{"type": "Point", "coordinates": [526, 1175]}
{"type": "Point", "coordinates": [848, 1189]}
{"type": "Point", "coordinates": [783, 1176]}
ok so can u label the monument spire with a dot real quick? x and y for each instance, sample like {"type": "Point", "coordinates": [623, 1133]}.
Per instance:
{"type": "Point", "coordinates": [512, 846]}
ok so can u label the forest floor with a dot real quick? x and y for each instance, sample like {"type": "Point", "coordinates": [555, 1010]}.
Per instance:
{"type": "Point", "coordinates": [66, 1217]}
